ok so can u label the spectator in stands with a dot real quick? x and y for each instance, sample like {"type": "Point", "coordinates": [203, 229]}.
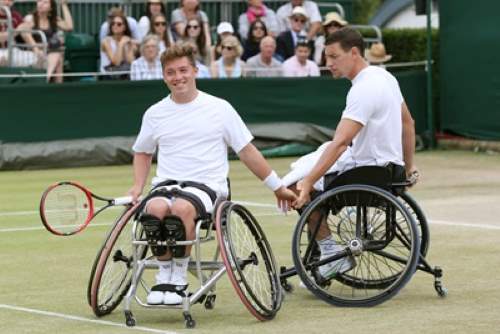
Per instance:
{"type": "Point", "coordinates": [224, 29]}
{"type": "Point", "coordinates": [287, 40]}
{"type": "Point", "coordinates": [15, 16]}
{"type": "Point", "coordinates": [299, 65]}
{"type": "Point", "coordinates": [376, 55]}
{"type": "Point", "coordinates": [333, 22]}
{"type": "Point", "coordinates": [312, 11]}
{"type": "Point", "coordinates": [229, 65]}
{"type": "Point", "coordinates": [258, 11]}
{"type": "Point", "coordinates": [45, 18]}
{"type": "Point", "coordinates": [132, 25]}
{"type": "Point", "coordinates": [153, 7]}
{"type": "Point", "coordinates": [257, 32]}
{"type": "Point", "coordinates": [190, 9]}
{"type": "Point", "coordinates": [263, 64]}
{"type": "Point", "coordinates": [117, 49]}
{"type": "Point", "coordinates": [195, 33]}
{"type": "Point", "coordinates": [159, 26]}
{"type": "Point", "coordinates": [148, 66]}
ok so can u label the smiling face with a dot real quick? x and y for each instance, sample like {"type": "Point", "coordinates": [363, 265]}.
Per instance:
{"type": "Point", "coordinates": [179, 74]}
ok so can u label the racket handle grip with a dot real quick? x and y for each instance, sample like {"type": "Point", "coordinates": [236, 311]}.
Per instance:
{"type": "Point", "coordinates": [122, 200]}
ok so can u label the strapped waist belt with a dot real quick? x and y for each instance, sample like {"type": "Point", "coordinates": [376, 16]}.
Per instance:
{"type": "Point", "coordinates": [183, 184]}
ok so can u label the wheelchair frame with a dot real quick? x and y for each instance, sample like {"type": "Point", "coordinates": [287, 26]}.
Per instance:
{"type": "Point", "coordinates": [368, 182]}
{"type": "Point", "coordinates": [225, 260]}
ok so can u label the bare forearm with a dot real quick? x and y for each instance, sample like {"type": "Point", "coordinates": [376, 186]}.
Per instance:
{"type": "Point", "coordinates": [142, 165]}
{"type": "Point", "coordinates": [332, 152]}
{"type": "Point", "coordinates": [315, 28]}
{"type": "Point", "coordinates": [254, 160]}
{"type": "Point", "coordinates": [408, 137]}
{"type": "Point", "coordinates": [67, 18]}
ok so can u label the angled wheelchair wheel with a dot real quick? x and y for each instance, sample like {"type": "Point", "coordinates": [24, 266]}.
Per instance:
{"type": "Point", "coordinates": [249, 261]}
{"type": "Point", "coordinates": [376, 244]}
{"type": "Point", "coordinates": [419, 217]}
{"type": "Point", "coordinates": [111, 273]}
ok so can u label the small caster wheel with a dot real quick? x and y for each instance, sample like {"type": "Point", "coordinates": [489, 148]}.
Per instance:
{"type": "Point", "coordinates": [129, 319]}
{"type": "Point", "coordinates": [442, 292]}
{"type": "Point", "coordinates": [190, 323]}
{"type": "Point", "coordinates": [210, 302]}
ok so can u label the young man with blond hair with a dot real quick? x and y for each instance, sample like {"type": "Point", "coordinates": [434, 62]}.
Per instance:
{"type": "Point", "coordinates": [191, 131]}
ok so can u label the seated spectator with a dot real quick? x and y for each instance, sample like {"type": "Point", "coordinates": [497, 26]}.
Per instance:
{"type": "Point", "coordinates": [312, 11]}
{"type": "Point", "coordinates": [257, 32]}
{"type": "Point", "coordinates": [117, 49]}
{"type": "Point", "coordinates": [159, 26]}
{"type": "Point", "coordinates": [153, 7]}
{"type": "Point", "coordinates": [333, 22]}
{"type": "Point", "coordinates": [132, 25]}
{"type": "Point", "coordinates": [258, 11]}
{"type": "Point", "coordinates": [148, 66]}
{"type": "Point", "coordinates": [195, 33]}
{"type": "Point", "coordinates": [299, 65]}
{"type": "Point", "coordinates": [224, 29]}
{"type": "Point", "coordinates": [376, 55]}
{"type": "Point", "coordinates": [190, 9]}
{"type": "Point", "coordinates": [45, 18]}
{"type": "Point", "coordinates": [15, 16]}
{"type": "Point", "coordinates": [229, 65]}
{"type": "Point", "coordinates": [263, 64]}
{"type": "Point", "coordinates": [287, 40]}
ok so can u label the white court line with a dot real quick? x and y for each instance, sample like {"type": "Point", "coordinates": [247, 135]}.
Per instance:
{"type": "Point", "coordinates": [82, 319]}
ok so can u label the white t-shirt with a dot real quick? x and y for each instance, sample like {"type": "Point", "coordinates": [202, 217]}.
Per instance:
{"type": "Point", "coordinates": [192, 139]}
{"type": "Point", "coordinates": [375, 100]}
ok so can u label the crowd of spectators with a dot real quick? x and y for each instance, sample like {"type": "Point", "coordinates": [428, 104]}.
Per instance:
{"type": "Point", "coordinates": [288, 42]}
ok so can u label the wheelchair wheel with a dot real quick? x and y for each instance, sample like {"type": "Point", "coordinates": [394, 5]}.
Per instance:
{"type": "Point", "coordinates": [111, 273]}
{"type": "Point", "coordinates": [377, 240]}
{"type": "Point", "coordinates": [418, 216]}
{"type": "Point", "coordinates": [250, 264]}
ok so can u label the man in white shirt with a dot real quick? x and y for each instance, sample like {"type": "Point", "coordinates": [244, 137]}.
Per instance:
{"type": "Point", "coordinates": [191, 131]}
{"type": "Point", "coordinates": [376, 121]}
{"type": "Point", "coordinates": [312, 10]}
{"type": "Point", "coordinates": [299, 65]}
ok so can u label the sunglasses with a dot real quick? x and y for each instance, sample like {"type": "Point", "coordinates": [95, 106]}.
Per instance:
{"type": "Point", "coordinates": [227, 47]}
{"type": "Point", "coordinates": [160, 23]}
{"type": "Point", "coordinates": [118, 24]}
{"type": "Point", "coordinates": [258, 28]}
{"type": "Point", "coordinates": [193, 27]}
{"type": "Point", "coordinates": [333, 24]}
{"type": "Point", "coordinates": [299, 20]}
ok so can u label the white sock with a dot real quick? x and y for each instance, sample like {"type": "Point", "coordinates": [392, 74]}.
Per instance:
{"type": "Point", "coordinates": [164, 271]}
{"type": "Point", "coordinates": [179, 270]}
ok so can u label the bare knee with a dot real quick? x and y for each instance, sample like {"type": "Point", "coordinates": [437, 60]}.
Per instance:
{"type": "Point", "coordinates": [184, 210]}
{"type": "Point", "coordinates": [158, 208]}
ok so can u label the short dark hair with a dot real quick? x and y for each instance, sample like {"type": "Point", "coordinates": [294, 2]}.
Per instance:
{"type": "Point", "coordinates": [177, 51]}
{"type": "Point", "coordinates": [348, 38]}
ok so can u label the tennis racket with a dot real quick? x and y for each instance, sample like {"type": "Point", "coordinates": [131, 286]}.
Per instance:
{"type": "Point", "coordinates": [66, 208]}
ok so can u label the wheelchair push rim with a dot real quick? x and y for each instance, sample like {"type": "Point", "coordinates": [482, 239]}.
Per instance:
{"type": "Point", "coordinates": [382, 225]}
{"type": "Point", "coordinates": [249, 261]}
{"type": "Point", "coordinates": [111, 273]}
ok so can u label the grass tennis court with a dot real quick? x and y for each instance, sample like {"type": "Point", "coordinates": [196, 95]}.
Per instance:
{"type": "Point", "coordinates": [43, 278]}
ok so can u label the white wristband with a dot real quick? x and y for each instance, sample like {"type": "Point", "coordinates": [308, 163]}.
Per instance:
{"type": "Point", "coordinates": [272, 181]}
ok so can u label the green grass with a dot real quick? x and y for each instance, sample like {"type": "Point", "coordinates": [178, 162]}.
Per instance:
{"type": "Point", "coordinates": [44, 272]}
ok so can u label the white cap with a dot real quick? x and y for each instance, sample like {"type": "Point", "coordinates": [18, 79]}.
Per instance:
{"type": "Point", "coordinates": [299, 10]}
{"type": "Point", "coordinates": [225, 27]}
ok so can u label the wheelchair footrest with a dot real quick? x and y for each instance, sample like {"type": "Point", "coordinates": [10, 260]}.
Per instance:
{"type": "Point", "coordinates": [169, 288]}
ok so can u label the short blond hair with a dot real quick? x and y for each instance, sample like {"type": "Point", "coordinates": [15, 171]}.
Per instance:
{"type": "Point", "coordinates": [177, 51]}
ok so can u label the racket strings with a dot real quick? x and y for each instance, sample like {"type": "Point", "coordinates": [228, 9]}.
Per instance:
{"type": "Point", "coordinates": [66, 207]}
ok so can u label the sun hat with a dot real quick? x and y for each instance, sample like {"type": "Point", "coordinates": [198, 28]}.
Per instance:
{"type": "Point", "coordinates": [334, 17]}
{"type": "Point", "coordinates": [376, 54]}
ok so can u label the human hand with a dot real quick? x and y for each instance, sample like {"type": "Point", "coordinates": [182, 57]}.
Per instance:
{"type": "Point", "coordinates": [305, 189]}
{"type": "Point", "coordinates": [125, 40]}
{"type": "Point", "coordinates": [285, 198]}
{"type": "Point", "coordinates": [412, 175]}
{"type": "Point", "coordinates": [135, 192]}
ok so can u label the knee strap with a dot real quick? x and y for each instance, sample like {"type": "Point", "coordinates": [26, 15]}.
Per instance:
{"type": "Point", "coordinates": [153, 228]}
{"type": "Point", "coordinates": [174, 230]}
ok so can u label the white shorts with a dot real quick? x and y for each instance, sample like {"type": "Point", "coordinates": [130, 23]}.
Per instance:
{"type": "Point", "coordinates": [200, 194]}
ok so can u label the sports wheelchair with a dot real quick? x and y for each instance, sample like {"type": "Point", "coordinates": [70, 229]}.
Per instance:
{"type": "Point", "coordinates": [242, 252]}
{"type": "Point", "coordinates": [379, 229]}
